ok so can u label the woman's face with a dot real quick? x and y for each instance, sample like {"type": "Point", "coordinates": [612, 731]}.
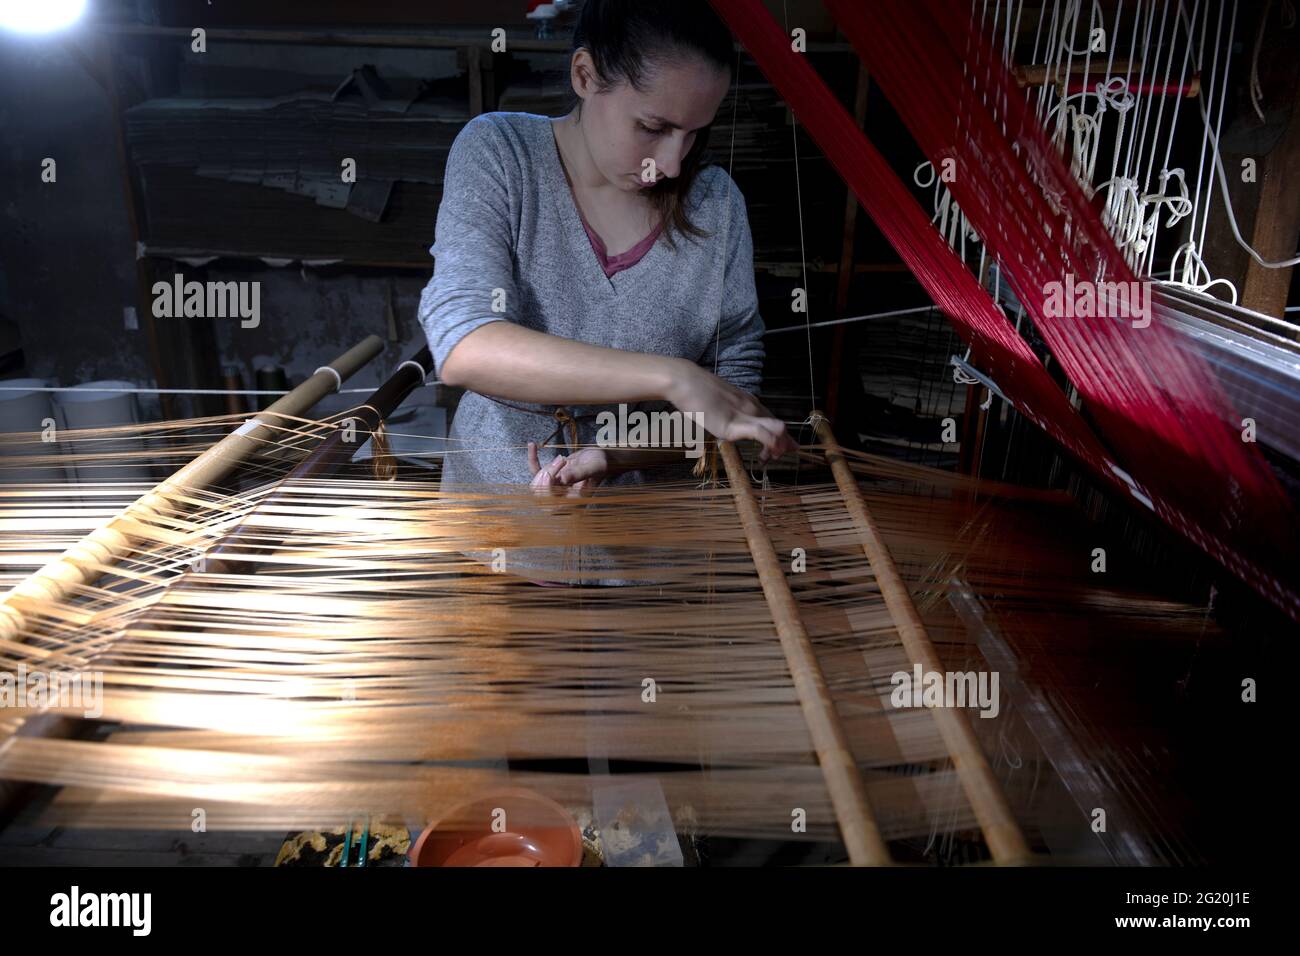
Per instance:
{"type": "Point", "coordinates": [624, 127]}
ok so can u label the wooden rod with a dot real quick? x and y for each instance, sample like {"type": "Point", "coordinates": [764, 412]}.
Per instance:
{"type": "Point", "coordinates": [844, 782]}
{"type": "Point", "coordinates": [1001, 832]}
{"type": "Point", "coordinates": [84, 562]}
{"type": "Point", "coordinates": [1041, 74]}
{"type": "Point", "coordinates": [329, 455]}
{"type": "Point", "coordinates": [1096, 72]}
{"type": "Point", "coordinates": [328, 37]}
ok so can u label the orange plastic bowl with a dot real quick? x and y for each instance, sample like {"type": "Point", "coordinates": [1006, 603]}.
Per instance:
{"type": "Point", "coordinates": [536, 831]}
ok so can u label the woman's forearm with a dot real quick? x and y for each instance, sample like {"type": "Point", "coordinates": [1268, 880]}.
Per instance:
{"type": "Point", "coordinates": [508, 361]}
{"type": "Point", "coordinates": [512, 363]}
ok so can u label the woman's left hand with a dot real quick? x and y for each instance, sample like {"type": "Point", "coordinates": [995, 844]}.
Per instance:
{"type": "Point", "coordinates": [573, 475]}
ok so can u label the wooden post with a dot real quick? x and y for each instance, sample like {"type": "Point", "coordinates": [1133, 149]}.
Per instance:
{"type": "Point", "coordinates": [474, 70]}
{"type": "Point", "coordinates": [1001, 832]}
{"type": "Point", "coordinates": [848, 793]}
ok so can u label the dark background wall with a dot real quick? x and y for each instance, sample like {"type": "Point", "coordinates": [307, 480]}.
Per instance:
{"type": "Point", "coordinates": [67, 256]}
{"type": "Point", "coordinates": [68, 250]}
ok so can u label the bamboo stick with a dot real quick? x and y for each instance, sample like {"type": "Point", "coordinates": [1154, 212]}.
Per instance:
{"type": "Point", "coordinates": [1041, 74]}
{"type": "Point", "coordinates": [328, 456]}
{"type": "Point", "coordinates": [83, 563]}
{"type": "Point", "coordinates": [1001, 832]}
{"type": "Point", "coordinates": [848, 793]}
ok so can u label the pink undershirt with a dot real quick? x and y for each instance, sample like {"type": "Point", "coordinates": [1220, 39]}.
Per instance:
{"type": "Point", "coordinates": [624, 260]}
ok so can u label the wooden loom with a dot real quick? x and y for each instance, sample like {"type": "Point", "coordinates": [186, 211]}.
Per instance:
{"type": "Point", "coordinates": [60, 582]}
{"type": "Point", "coordinates": [284, 651]}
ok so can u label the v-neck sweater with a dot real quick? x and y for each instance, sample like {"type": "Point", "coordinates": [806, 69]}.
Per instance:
{"type": "Point", "coordinates": [510, 245]}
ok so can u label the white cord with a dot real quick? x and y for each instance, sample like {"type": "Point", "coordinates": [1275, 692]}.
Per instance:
{"type": "Point", "coordinates": [1227, 203]}
{"type": "Point", "coordinates": [855, 318]}
{"type": "Point", "coordinates": [1256, 88]}
{"type": "Point", "coordinates": [424, 378]}
{"type": "Point", "coordinates": [338, 379]}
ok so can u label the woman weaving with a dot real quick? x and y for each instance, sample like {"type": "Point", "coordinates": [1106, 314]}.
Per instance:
{"type": "Point", "coordinates": [589, 261]}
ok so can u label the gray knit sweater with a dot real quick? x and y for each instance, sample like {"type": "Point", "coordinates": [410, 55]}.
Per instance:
{"type": "Point", "coordinates": [510, 245]}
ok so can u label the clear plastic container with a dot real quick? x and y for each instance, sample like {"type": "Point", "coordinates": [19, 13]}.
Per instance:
{"type": "Point", "coordinates": [636, 827]}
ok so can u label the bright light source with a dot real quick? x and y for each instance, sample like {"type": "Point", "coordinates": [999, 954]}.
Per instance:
{"type": "Point", "coordinates": [40, 16]}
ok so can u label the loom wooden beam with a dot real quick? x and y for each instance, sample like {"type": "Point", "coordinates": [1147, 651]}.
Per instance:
{"type": "Point", "coordinates": [84, 562]}
{"type": "Point", "coordinates": [1083, 76]}
{"type": "Point", "coordinates": [848, 793]}
{"type": "Point", "coordinates": [1001, 832]}
{"type": "Point", "coordinates": [1042, 74]}
{"type": "Point", "coordinates": [368, 38]}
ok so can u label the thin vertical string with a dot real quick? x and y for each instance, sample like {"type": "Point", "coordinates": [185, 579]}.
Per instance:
{"type": "Point", "coordinates": [1218, 122]}
{"type": "Point", "coordinates": [803, 254]}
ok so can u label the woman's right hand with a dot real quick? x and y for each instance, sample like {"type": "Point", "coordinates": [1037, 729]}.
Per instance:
{"type": "Point", "coordinates": [730, 413]}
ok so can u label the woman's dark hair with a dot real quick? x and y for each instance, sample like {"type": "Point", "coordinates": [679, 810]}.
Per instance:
{"type": "Point", "coordinates": [624, 37]}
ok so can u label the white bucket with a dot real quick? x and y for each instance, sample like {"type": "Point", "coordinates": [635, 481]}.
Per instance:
{"type": "Point", "coordinates": [28, 412]}
{"type": "Point", "coordinates": [89, 406]}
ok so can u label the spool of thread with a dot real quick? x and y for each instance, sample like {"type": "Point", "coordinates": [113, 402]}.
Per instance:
{"type": "Point", "coordinates": [90, 406]}
{"type": "Point", "coordinates": [270, 377]}
{"type": "Point", "coordinates": [28, 413]}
